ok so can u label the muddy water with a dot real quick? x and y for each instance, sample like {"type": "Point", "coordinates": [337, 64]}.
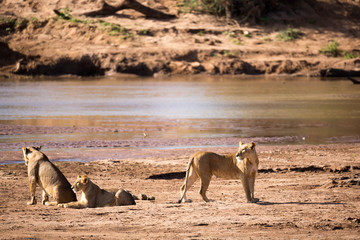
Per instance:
{"type": "Point", "coordinates": [302, 111]}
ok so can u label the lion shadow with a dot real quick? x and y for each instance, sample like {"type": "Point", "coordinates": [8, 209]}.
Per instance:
{"type": "Point", "coordinates": [265, 203]}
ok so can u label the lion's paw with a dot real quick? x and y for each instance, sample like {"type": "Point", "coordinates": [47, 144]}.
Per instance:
{"type": "Point", "coordinates": [185, 201]}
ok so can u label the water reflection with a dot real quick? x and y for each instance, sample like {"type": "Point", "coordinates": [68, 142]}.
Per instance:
{"type": "Point", "coordinates": [318, 110]}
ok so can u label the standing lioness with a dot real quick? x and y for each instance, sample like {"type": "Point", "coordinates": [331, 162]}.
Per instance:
{"type": "Point", "coordinates": [42, 172]}
{"type": "Point", "coordinates": [241, 165]}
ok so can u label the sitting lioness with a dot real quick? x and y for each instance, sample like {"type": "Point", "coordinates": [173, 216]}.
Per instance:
{"type": "Point", "coordinates": [241, 165]}
{"type": "Point", "coordinates": [93, 196]}
{"type": "Point", "coordinates": [42, 172]}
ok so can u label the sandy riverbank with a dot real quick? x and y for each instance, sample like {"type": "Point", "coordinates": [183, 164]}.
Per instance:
{"type": "Point", "coordinates": [306, 191]}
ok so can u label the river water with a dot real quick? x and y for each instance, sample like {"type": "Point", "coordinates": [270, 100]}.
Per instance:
{"type": "Point", "coordinates": [300, 110]}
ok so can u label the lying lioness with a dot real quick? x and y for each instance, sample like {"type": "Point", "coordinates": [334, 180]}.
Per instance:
{"type": "Point", "coordinates": [42, 172]}
{"type": "Point", "coordinates": [241, 165]}
{"type": "Point", "coordinates": [93, 196]}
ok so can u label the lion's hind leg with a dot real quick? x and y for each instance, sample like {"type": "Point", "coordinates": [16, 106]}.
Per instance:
{"type": "Point", "coordinates": [45, 197]}
{"type": "Point", "coordinates": [45, 200]}
{"type": "Point", "coordinates": [123, 198]}
{"type": "Point", "coordinates": [187, 184]}
{"type": "Point", "coordinates": [61, 195]}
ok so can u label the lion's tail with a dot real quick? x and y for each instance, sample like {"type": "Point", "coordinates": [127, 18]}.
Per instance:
{"type": "Point", "coordinates": [191, 160]}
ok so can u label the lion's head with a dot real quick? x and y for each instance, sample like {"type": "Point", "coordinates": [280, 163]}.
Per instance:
{"type": "Point", "coordinates": [80, 183]}
{"type": "Point", "coordinates": [246, 151]}
{"type": "Point", "coordinates": [29, 152]}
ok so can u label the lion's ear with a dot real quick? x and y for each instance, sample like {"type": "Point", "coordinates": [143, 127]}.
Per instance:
{"type": "Point", "coordinates": [240, 143]}
{"type": "Point", "coordinates": [28, 150]}
{"type": "Point", "coordinates": [85, 179]}
{"type": "Point", "coordinates": [37, 148]}
{"type": "Point", "coordinates": [251, 145]}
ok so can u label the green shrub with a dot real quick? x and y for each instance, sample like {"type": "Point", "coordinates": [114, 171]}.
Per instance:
{"type": "Point", "coordinates": [332, 49]}
{"type": "Point", "coordinates": [348, 55]}
{"type": "Point", "coordinates": [254, 11]}
{"type": "Point", "coordinates": [236, 41]}
{"type": "Point", "coordinates": [64, 13]}
{"type": "Point", "coordinates": [247, 34]}
{"type": "Point", "coordinates": [188, 6]}
{"type": "Point", "coordinates": [289, 34]}
{"type": "Point", "coordinates": [201, 32]}
{"type": "Point", "coordinates": [214, 7]}
{"type": "Point", "coordinates": [266, 38]}
{"type": "Point", "coordinates": [230, 54]}
{"type": "Point", "coordinates": [144, 32]}
{"type": "Point", "coordinates": [229, 34]}
{"type": "Point", "coordinates": [13, 24]}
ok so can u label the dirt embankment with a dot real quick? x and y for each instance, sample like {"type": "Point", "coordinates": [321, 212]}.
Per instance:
{"type": "Point", "coordinates": [33, 41]}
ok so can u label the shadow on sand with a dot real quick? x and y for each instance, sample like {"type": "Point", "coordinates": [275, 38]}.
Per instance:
{"type": "Point", "coordinates": [298, 203]}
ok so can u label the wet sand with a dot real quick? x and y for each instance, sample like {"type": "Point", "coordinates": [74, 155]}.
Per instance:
{"type": "Point", "coordinates": [305, 191]}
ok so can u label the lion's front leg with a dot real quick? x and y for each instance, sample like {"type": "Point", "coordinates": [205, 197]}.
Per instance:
{"type": "Point", "coordinates": [246, 185]}
{"type": "Point", "coordinates": [32, 186]}
{"type": "Point", "coordinates": [72, 205]}
{"type": "Point", "coordinates": [252, 189]}
{"type": "Point", "coordinates": [204, 182]}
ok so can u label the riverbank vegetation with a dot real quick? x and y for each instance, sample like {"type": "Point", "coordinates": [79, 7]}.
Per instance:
{"type": "Point", "coordinates": [213, 37]}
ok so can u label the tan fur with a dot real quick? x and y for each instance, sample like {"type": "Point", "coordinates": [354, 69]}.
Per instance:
{"type": "Point", "coordinates": [45, 174]}
{"type": "Point", "coordinates": [93, 196]}
{"type": "Point", "coordinates": [241, 165]}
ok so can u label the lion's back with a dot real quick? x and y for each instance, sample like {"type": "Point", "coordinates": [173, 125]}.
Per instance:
{"type": "Point", "coordinates": [207, 158]}
{"type": "Point", "coordinates": [52, 180]}
{"type": "Point", "coordinates": [210, 163]}
{"type": "Point", "coordinates": [49, 174]}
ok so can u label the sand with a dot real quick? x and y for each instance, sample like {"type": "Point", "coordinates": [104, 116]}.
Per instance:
{"type": "Point", "coordinates": [305, 191]}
